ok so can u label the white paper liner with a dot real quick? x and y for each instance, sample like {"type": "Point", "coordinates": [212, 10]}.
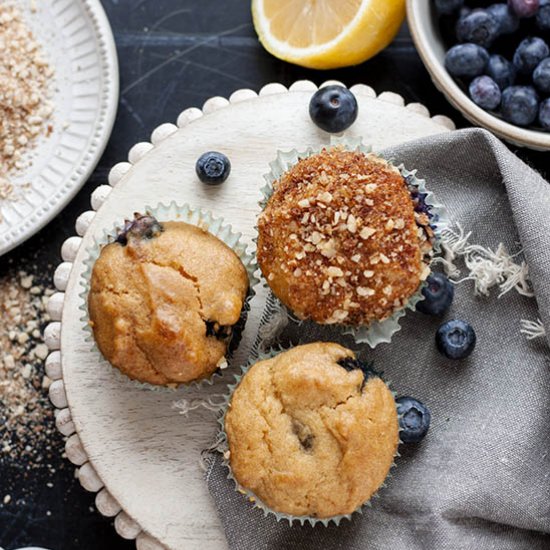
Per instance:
{"type": "Point", "coordinates": [222, 447]}
{"type": "Point", "coordinates": [377, 332]}
{"type": "Point", "coordinates": [171, 212]}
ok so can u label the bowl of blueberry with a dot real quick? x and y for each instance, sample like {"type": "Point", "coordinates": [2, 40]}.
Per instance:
{"type": "Point", "coordinates": [492, 62]}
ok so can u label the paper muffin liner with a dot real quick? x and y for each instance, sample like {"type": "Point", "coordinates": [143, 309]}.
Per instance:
{"type": "Point", "coordinates": [222, 446]}
{"type": "Point", "coordinates": [193, 216]}
{"type": "Point", "coordinates": [377, 332]}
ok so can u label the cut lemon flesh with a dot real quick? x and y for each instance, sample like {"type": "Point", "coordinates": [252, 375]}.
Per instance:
{"type": "Point", "coordinates": [324, 34]}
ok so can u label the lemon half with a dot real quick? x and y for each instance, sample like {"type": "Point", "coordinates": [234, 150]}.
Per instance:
{"type": "Point", "coordinates": [325, 34]}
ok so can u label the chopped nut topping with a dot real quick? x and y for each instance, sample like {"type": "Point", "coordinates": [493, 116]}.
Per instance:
{"type": "Point", "coordinates": [338, 316]}
{"type": "Point", "coordinates": [316, 237]}
{"type": "Point", "coordinates": [352, 224]}
{"type": "Point", "coordinates": [328, 248]}
{"type": "Point", "coordinates": [367, 232]}
{"type": "Point", "coordinates": [334, 272]}
{"type": "Point", "coordinates": [325, 197]}
{"type": "Point", "coordinates": [363, 291]}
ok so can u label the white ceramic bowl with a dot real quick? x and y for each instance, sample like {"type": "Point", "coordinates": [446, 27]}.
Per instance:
{"type": "Point", "coordinates": [424, 28]}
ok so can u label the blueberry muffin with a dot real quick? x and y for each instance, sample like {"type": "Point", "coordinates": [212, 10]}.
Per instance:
{"type": "Point", "coordinates": [312, 432]}
{"type": "Point", "coordinates": [163, 300]}
{"type": "Point", "coordinates": [343, 240]}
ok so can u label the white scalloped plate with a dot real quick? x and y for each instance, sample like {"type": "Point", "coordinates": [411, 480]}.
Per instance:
{"type": "Point", "coordinates": [130, 446]}
{"type": "Point", "coordinates": [78, 42]}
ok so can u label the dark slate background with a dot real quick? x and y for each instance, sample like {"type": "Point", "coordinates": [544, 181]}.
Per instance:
{"type": "Point", "coordinates": [173, 54]}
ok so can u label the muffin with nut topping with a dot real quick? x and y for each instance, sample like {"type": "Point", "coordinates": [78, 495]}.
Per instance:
{"type": "Point", "coordinates": [163, 300]}
{"type": "Point", "coordinates": [343, 239]}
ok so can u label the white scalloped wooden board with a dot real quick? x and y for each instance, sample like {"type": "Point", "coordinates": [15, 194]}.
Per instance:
{"type": "Point", "coordinates": [130, 446]}
{"type": "Point", "coordinates": [78, 42]}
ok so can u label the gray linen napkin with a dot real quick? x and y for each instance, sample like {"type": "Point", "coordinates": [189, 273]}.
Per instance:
{"type": "Point", "coordinates": [481, 478]}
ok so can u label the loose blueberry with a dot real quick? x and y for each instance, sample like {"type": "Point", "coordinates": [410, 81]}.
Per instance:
{"type": "Point", "coordinates": [414, 419]}
{"type": "Point", "coordinates": [543, 16]}
{"type": "Point", "coordinates": [448, 7]}
{"type": "Point", "coordinates": [524, 8]}
{"type": "Point", "coordinates": [438, 295]}
{"type": "Point", "coordinates": [530, 53]}
{"type": "Point", "coordinates": [455, 339]}
{"type": "Point", "coordinates": [141, 227]}
{"type": "Point", "coordinates": [478, 27]}
{"type": "Point", "coordinates": [541, 76]}
{"type": "Point", "coordinates": [508, 22]}
{"type": "Point", "coordinates": [520, 105]}
{"type": "Point", "coordinates": [544, 114]}
{"type": "Point", "coordinates": [485, 92]}
{"type": "Point", "coordinates": [501, 71]}
{"type": "Point", "coordinates": [466, 60]}
{"type": "Point", "coordinates": [213, 168]}
{"type": "Point", "coordinates": [333, 108]}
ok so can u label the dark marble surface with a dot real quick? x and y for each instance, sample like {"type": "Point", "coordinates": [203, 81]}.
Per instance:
{"type": "Point", "coordinates": [173, 54]}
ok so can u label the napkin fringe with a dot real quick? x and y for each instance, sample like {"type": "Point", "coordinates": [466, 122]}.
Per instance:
{"type": "Point", "coordinates": [185, 406]}
{"type": "Point", "coordinates": [532, 329]}
{"type": "Point", "coordinates": [486, 267]}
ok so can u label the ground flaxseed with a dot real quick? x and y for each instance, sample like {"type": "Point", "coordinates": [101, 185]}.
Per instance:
{"type": "Point", "coordinates": [25, 91]}
{"type": "Point", "coordinates": [26, 416]}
